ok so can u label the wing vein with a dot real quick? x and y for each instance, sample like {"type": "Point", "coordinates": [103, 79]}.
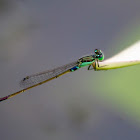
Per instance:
{"type": "Point", "coordinates": [42, 76]}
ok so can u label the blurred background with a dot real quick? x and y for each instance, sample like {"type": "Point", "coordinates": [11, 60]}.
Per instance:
{"type": "Point", "coordinates": [37, 35]}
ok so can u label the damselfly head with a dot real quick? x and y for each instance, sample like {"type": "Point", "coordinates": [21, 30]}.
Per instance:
{"type": "Point", "coordinates": [97, 51]}
{"type": "Point", "coordinates": [99, 54]}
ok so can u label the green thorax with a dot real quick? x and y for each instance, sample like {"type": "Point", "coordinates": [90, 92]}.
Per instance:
{"type": "Point", "coordinates": [87, 60]}
{"type": "Point", "coordinates": [86, 64]}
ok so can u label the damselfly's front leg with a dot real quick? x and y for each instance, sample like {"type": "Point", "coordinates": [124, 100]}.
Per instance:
{"type": "Point", "coordinates": [94, 67]}
{"type": "Point", "coordinates": [97, 62]}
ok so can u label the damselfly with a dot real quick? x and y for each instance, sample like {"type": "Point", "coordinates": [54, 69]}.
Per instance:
{"type": "Point", "coordinates": [43, 77]}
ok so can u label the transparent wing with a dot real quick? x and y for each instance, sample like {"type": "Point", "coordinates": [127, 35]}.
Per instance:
{"type": "Point", "coordinates": [43, 76]}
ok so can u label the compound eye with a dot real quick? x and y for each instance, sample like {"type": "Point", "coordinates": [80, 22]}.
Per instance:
{"type": "Point", "coordinates": [96, 51]}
